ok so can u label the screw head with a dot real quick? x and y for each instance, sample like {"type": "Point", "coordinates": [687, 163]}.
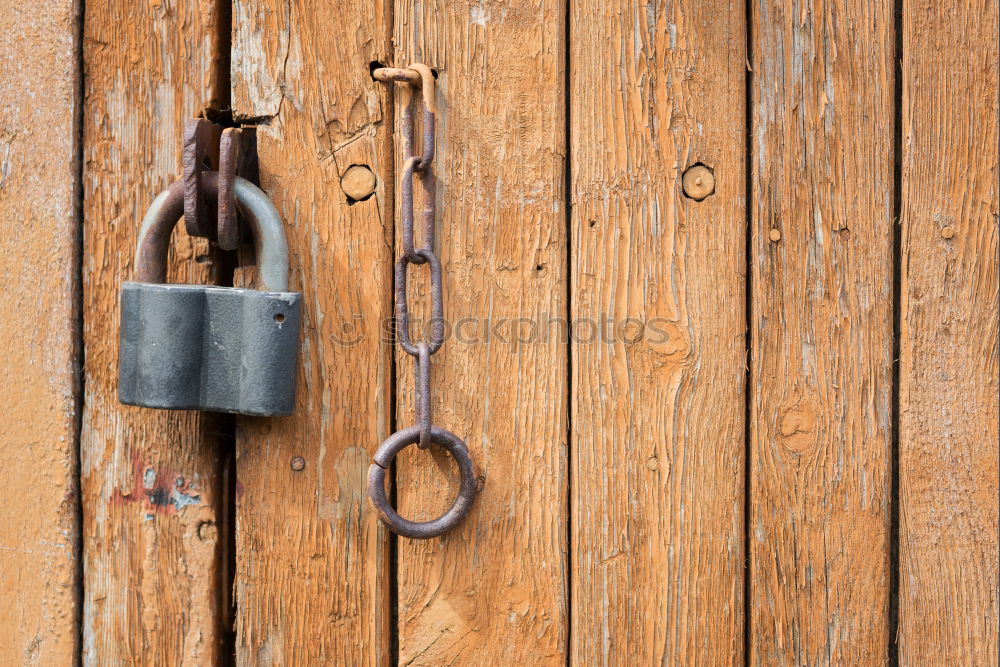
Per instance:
{"type": "Point", "coordinates": [298, 463]}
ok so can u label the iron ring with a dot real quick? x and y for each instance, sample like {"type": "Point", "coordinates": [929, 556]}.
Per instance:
{"type": "Point", "coordinates": [421, 530]}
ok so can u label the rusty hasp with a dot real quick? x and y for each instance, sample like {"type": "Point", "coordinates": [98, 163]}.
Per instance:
{"type": "Point", "coordinates": [237, 157]}
{"type": "Point", "coordinates": [424, 433]}
{"type": "Point", "coordinates": [228, 152]}
{"type": "Point", "coordinates": [201, 153]}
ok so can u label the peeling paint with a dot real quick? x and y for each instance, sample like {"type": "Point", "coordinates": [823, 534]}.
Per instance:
{"type": "Point", "coordinates": [158, 490]}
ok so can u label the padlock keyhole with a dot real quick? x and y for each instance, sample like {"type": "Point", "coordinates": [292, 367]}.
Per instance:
{"type": "Point", "coordinates": [279, 317]}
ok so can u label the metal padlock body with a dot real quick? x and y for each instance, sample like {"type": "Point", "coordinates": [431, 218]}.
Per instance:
{"type": "Point", "coordinates": [199, 347]}
{"type": "Point", "coordinates": [204, 347]}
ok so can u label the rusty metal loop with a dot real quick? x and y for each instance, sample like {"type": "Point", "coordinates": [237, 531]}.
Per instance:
{"type": "Point", "coordinates": [406, 197]}
{"type": "Point", "coordinates": [427, 84]}
{"type": "Point", "coordinates": [402, 308]}
{"type": "Point", "coordinates": [422, 390]}
{"type": "Point", "coordinates": [227, 152]}
{"type": "Point", "coordinates": [423, 165]}
{"type": "Point", "coordinates": [430, 109]}
{"type": "Point", "coordinates": [228, 230]}
{"type": "Point", "coordinates": [421, 530]}
{"type": "Point", "coordinates": [429, 183]}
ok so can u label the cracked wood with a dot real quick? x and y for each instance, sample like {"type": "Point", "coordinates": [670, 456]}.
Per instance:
{"type": "Point", "coordinates": [150, 479]}
{"type": "Point", "coordinates": [492, 591]}
{"type": "Point", "coordinates": [948, 401]}
{"type": "Point", "coordinates": [821, 224]}
{"type": "Point", "coordinates": [658, 399]}
{"type": "Point", "coordinates": [312, 582]}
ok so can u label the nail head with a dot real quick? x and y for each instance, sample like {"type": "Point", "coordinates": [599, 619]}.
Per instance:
{"type": "Point", "coordinates": [698, 182]}
{"type": "Point", "coordinates": [358, 182]}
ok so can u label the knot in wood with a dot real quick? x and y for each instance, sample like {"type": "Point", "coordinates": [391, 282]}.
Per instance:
{"type": "Point", "coordinates": [798, 428]}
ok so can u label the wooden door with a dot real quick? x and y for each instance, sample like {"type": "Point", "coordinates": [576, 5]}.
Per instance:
{"type": "Point", "coordinates": [721, 287]}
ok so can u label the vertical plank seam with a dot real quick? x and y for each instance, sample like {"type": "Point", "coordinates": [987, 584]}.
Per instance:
{"type": "Point", "coordinates": [748, 331]}
{"type": "Point", "coordinates": [227, 495]}
{"type": "Point", "coordinates": [390, 212]}
{"type": "Point", "coordinates": [892, 649]}
{"type": "Point", "coordinates": [568, 207]}
{"type": "Point", "coordinates": [393, 555]}
{"type": "Point", "coordinates": [224, 66]}
{"type": "Point", "coordinates": [225, 425]}
{"type": "Point", "coordinates": [393, 417]}
{"type": "Point", "coordinates": [78, 352]}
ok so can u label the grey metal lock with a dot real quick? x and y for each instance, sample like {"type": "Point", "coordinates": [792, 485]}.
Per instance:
{"type": "Point", "coordinates": [203, 347]}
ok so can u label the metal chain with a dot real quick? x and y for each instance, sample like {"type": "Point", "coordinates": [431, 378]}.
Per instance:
{"type": "Point", "coordinates": [424, 165]}
{"type": "Point", "coordinates": [423, 433]}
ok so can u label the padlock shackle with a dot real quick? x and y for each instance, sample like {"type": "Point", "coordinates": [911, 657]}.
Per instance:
{"type": "Point", "coordinates": [258, 211]}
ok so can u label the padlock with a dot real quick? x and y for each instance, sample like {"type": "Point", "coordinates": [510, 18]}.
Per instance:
{"type": "Point", "coordinates": [204, 347]}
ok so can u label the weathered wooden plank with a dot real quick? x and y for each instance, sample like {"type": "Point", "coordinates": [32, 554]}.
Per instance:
{"type": "Point", "coordinates": [658, 398]}
{"type": "Point", "coordinates": [493, 590]}
{"type": "Point", "coordinates": [150, 479]}
{"type": "Point", "coordinates": [39, 181]}
{"type": "Point", "coordinates": [822, 200]}
{"type": "Point", "coordinates": [312, 563]}
{"type": "Point", "coordinates": [948, 403]}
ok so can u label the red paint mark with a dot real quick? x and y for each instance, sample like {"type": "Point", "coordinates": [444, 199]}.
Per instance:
{"type": "Point", "coordinates": [159, 490]}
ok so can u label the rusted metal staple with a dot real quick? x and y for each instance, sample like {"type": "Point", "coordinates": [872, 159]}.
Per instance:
{"type": "Point", "coordinates": [228, 152]}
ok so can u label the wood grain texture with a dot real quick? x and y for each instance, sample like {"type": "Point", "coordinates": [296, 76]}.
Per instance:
{"type": "Point", "coordinates": [312, 561]}
{"type": "Point", "coordinates": [948, 402]}
{"type": "Point", "coordinates": [494, 590]}
{"type": "Point", "coordinates": [39, 181]}
{"type": "Point", "coordinates": [822, 331]}
{"type": "Point", "coordinates": [150, 479]}
{"type": "Point", "coordinates": [658, 399]}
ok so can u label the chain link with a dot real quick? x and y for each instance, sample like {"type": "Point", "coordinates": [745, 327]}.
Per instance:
{"type": "Point", "coordinates": [424, 432]}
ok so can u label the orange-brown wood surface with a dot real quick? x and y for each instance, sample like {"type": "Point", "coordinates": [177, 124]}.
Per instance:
{"type": "Point", "coordinates": [150, 479]}
{"type": "Point", "coordinates": [658, 396]}
{"type": "Point", "coordinates": [493, 591]}
{"type": "Point", "coordinates": [948, 402]}
{"type": "Point", "coordinates": [822, 276]}
{"type": "Point", "coordinates": [312, 575]}
{"type": "Point", "coordinates": [691, 443]}
{"type": "Point", "coordinates": [39, 177]}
